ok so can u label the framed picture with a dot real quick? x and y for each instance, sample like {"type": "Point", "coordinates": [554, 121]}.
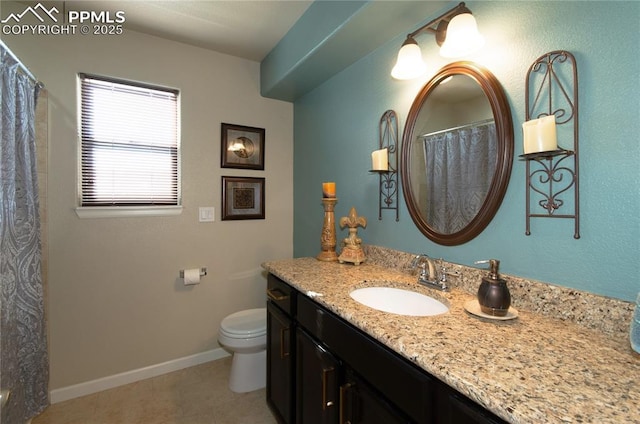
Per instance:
{"type": "Point", "coordinates": [242, 198]}
{"type": "Point", "coordinates": [242, 147]}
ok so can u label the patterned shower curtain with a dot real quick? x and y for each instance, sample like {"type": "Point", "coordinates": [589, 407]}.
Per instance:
{"type": "Point", "coordinates": [24, 363]}
{"type": "Point", "coordinates": [460, 165]}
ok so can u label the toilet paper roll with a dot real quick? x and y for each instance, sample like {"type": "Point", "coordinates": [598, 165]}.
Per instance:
{"type": "Point", "coordinates": [191, 276]}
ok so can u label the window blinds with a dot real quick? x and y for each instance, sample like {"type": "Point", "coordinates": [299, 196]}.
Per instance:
{"type": "Point", "coordinates": [129, 143]}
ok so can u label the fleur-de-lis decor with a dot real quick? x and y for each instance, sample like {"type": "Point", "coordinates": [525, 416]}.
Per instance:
{"type": "Point", "coordinates": [352, 251]}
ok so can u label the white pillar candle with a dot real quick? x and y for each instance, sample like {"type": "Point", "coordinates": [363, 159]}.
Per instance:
{"type": "Point", "coordinates": [380, 160]}
{"type": "Point", "coordinates": [540, 135]}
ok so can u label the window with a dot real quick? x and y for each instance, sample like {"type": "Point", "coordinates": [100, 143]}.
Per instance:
{"type": "Point", "coordinates": [129, 144]}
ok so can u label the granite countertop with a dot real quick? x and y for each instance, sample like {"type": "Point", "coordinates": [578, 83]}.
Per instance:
{"type": "Point", "coordinates": [532, 369]}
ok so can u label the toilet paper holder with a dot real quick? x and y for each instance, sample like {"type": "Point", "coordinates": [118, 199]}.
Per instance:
{"type": "Point", "coordinates": [203, 272]}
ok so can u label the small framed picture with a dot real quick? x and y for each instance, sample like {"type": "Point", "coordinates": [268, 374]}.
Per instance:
{"type": "Point", "coordinates": [242, 198]}
{"type": "Point", "coordinates": [242, 147]}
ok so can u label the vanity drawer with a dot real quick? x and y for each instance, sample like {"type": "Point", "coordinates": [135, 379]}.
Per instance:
{"type": "Point", "coordinates": [281, 294]}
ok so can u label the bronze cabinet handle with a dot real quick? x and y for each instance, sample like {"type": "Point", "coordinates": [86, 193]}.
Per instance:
{"type": "Point", "coordinates": [343, 395]}
{"type": "Point", "coordinates": [326, 403]}
{"type": "Point", "coordinates": [283, 331]}
{"type": "Point", "coordinates": [276, 294]}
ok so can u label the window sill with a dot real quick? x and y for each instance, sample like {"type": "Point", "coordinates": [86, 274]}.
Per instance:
{"type": "Point", "coordinates": [127, 211]}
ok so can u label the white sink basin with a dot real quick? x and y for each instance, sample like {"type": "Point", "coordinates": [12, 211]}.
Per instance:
{"type": "Point", "coordinates": [398, 301]}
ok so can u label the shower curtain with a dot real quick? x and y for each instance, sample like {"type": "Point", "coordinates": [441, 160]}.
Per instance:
{"type": "Point", "coordinates": [24, 363]}
{"type": "Point", "coordinates": [460, 164]}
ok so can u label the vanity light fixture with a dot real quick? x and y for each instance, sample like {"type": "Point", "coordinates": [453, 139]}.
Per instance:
{"type": "Point", "coordinates": [456, 32]}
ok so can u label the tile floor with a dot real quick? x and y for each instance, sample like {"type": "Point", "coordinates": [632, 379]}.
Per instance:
{"type": "Point", "coordinates": [196, 395]}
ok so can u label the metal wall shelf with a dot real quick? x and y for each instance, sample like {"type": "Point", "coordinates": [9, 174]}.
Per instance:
{"type": "Point", "coordinates": [552, 89]}
{"type": "Point", "coordinates": [388, 192]}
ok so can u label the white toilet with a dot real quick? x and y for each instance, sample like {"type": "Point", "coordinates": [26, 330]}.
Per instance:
{"type": "Point", "coordinates": [244, 334]}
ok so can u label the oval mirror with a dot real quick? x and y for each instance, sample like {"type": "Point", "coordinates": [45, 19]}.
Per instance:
{"type": "Point", "coordinates": [457, 152]}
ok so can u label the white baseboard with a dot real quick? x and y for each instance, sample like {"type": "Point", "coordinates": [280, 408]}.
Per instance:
{"type": "Point", "coordinates": [93, 386]}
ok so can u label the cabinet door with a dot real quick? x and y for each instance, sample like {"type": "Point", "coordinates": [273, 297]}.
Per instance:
{"type": "Point", "coordinates": [361, 404]}
{"type": "Point", "coordinates": [279, 364]}
{"type": "Point", "coordinates": [454, 408]}
{"type": "Point", "coordinates": [317, 382]}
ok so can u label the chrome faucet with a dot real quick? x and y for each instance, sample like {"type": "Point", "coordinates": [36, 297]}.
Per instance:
{"type": "Point", "coordinates": [428, 275]}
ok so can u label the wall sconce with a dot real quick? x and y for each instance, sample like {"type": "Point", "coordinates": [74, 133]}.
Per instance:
{"type": "Point", "coordinates": [552, 172]}
{"type": "Point", "coordinates": [384, 162]}
{"type": "Point", "coordinates": [456, 32]}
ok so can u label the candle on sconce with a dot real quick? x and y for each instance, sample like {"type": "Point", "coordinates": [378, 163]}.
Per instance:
{"type": "Point", "coordinates": [329, 190]}
{"type": "Point", "coordinates": [380, 160]}
{"type": "Point", "coordinates": [540, 135]}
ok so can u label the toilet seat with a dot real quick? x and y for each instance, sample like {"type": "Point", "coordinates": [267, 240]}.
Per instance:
{"type": "Point", "coordinates": [249, 323]}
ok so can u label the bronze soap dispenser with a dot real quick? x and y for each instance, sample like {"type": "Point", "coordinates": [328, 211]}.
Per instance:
{"type": "Point", "coordinates": [493, 295]}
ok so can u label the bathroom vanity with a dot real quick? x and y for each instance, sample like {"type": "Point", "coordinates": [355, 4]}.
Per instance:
{"type": "Point", "coordinates": [344, 376]}
{"type": "Point", "coordinates": [333, 360]}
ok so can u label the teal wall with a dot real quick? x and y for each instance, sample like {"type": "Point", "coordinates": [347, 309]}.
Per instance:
{"type": "Point", "coordinates": [336, 128]}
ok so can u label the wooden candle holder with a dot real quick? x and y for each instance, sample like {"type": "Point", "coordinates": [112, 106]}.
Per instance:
{"type": "Point", "coordinates": [328, 236]}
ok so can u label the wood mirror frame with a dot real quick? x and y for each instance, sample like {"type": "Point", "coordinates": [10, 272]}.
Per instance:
{"type": "Point", "coordinates": [504, 133]}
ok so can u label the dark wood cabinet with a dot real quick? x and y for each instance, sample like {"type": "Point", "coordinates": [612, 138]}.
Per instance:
{"type": "Point", "coordinates": [363, 404]}
{"type": "Point", "coordinates": [400, 385]}
{"type": "Point", "coordinates": [328, 392]}
{"type": "Point", "coordinates": [323, 370]}
{"type": "Point", "coordinates": [457, 409]}
{"type": "Point", "coordinates": [280, 350]}
{"type": "Point", "coordinates": [318, 374]}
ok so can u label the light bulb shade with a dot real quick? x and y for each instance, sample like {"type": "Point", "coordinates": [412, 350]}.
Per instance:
{"type": "Point", "coordinates": [409, 64]}
{"type": "Point", "coordinates": [462, 37]}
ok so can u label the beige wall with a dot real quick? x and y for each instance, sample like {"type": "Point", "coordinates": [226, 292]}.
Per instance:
{"type": "Point", "coordinates": [115, 302]}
